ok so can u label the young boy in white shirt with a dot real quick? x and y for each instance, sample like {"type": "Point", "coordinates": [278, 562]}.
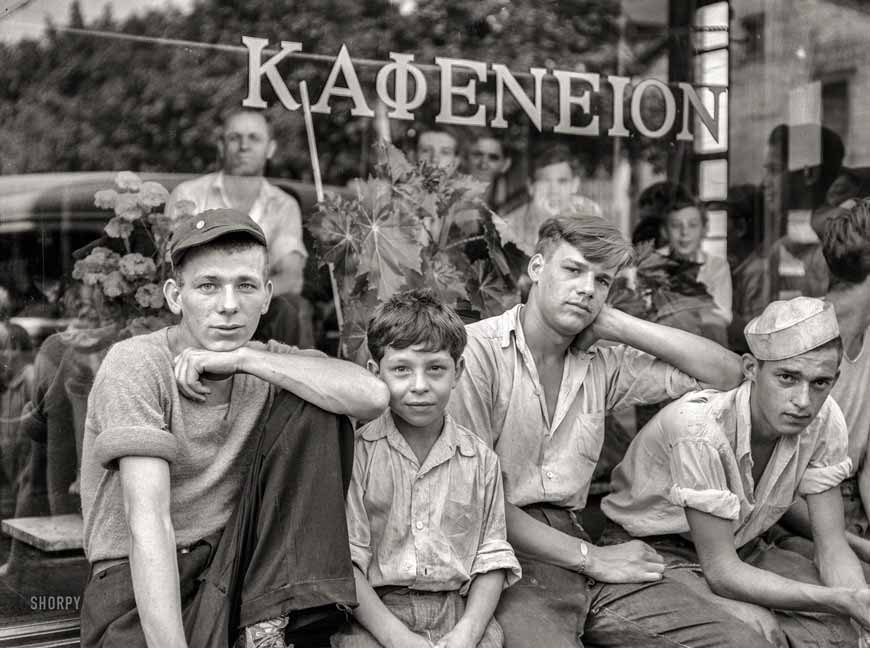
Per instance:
{"type": "Point", "coordinates": [426, 504]}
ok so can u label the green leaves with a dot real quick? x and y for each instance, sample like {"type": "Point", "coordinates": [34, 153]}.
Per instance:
{"type": "Point", "coordinates": [411, 226]}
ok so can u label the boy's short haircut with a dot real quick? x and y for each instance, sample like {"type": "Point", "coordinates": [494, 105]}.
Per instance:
{"type": "Point", "coordinates": [555, 154]}
{"type": "Point", "coordinates": [846, 243]}
{"type": "Point", "coordinates": [228, 243]}
{"type": "Point", "coordinates": [597, 239]}
{"type": "Point", "coordinates": [412, 318]}
{"type": "Point", "coordinates": [680, 198]}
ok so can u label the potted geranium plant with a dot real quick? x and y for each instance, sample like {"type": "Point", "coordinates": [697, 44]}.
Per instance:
{"type": "Point", "coordinates": [411, 226]}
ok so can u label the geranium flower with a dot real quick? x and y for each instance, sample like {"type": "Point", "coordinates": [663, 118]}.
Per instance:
{"type": "Point", "coordinates": [152, 194]}
{"type": "Point", "coordinates": [105, 198]}
{"type": "Point", "coordinates": [114, 284]}
{"type": "Point", "coordinates": [135, 266]}
{"type": "Point", "coordinates": [127, 206]}
{"type": "Point", "coordinates": [127, 180]}
{"type": "Point", "coordinates": [149, 296]}
{"type": "Point", "coordinates": [118, 228]}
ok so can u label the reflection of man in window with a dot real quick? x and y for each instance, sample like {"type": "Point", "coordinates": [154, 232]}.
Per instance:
{"type": "Point", "coordinates": [488, 162]}
{"type": "Point", "coordinates": [246, 145]}
{"type": "Point", "coordinates": [794, 201]}
{"type": "Point", "coordinates": [438, 146]}
{"type": "Point", "coordinates": [553, 189]}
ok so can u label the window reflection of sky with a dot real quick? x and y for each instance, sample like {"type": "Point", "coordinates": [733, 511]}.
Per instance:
{"type": "Point", "coordinates": [27, 19]}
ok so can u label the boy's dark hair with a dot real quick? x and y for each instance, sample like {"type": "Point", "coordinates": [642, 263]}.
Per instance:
{"type": "Point", "coordinates": [597, 239]}
{"type": "Point", "coordinates": [229, 243]}
{"type": "Point", "coordinates": [555, 154]}
{"type": "Point", "coordinates": [846, 243]}
{"type": "Point", "coordinates": [416, 317]}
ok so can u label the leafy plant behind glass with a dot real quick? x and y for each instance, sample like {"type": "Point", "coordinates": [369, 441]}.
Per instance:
{"type": "Point", "coordinates": [411, 226]}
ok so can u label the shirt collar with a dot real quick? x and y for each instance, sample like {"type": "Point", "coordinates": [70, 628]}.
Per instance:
{"type": "Point", "coordinates": [509, 322]}
{"type": "Point", "coordinates": [218, 187]}
{"type": "Point", "coordinates": [744, 420]}
{"type": "Point", "coordinates": [448, 443]}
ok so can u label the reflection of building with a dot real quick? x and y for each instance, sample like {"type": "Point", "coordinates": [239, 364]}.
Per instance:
{"type": "Point", "coordinates": [780, 45]}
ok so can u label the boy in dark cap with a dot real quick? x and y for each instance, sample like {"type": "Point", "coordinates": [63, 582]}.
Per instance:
{"type": "Point", "coordinates": [193, 433]}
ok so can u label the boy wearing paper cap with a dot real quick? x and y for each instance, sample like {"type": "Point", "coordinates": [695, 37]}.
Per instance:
{"type": "Point", "coordinates": [713, 471]}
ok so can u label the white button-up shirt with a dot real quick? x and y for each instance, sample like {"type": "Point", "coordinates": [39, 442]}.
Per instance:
{"type": "Point", "coordinates": [432, 526]}
{"type": "Point", "coordinates": [696, 453]}
{"type": "Point", "coordinates": [500, 397]}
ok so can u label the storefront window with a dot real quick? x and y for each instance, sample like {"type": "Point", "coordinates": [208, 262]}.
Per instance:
{"type": "Point", "coordinates": [118, 118]}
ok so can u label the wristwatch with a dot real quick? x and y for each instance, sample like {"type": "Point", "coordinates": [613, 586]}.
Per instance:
{"type": "Point", "coordinates": [584, 558]}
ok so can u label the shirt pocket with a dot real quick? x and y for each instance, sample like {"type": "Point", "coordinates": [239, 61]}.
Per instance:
{"type": "Point", "coordinates": [588, 441]}
{"type": "Point", "coordinates": [458, 526]}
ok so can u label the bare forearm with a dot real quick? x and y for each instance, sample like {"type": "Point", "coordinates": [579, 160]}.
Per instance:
{"type": "Point", "coordinates": [540, 541]}
{"type": "Point", "coordinates": [743, 582]}
{"type": "Point", "coordinates": [864, 487]}
{"type": "Point", "coordinates": [482, 600]}
{"type": "Point", "coordinates": [838, 565]}
{"type": "Point", "coordinates": [333, 385]}
{"type": "Point", "coordinates": [374, 616]}
{"type": "Point", "coordinates": [703, 359]}
{"type": "Point", "coordinates": [154, 569]}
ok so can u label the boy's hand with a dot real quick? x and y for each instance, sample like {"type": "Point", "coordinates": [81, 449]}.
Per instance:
{"type": "Point", "coordinates": [410, 640]}
{"type": "Point", "coordinates": [629, 562]}
{"type": "Point", "coordinates": [603, 327]}
{"type": "Point", "coordinates": [460, 637]}
{"type": "Point", "coordinates": [191, 364]}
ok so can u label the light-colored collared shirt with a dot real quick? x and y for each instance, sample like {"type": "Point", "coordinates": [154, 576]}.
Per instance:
{"type": "Point", "coordinates": [275, 211]}
{"type": "Point", "coordinates": [696, 454]}
{"type": "Point", "coordinates": [852, 393]}
{"type": "Point", "coordinates": [500, 397]}
{"type": "Point", "coordinates": [431, 527]}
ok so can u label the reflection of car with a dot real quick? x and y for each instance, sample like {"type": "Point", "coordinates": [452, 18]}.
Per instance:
{"type": "Point", "coordinates": [45, 217]}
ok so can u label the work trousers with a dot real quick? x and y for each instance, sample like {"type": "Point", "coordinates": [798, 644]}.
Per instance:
{"type": "Point", "coordinates": [558, 608]}
{"type": "Point", "coordinates": [284, 550]}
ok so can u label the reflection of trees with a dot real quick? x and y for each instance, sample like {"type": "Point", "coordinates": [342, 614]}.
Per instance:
{"type": "Point", "coordinates": [76, 102]}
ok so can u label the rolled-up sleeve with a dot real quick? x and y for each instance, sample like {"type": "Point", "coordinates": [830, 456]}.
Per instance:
{"type": "Point", "coordinates": [830, 463]}
{"type": "Point", "coordinates": [700, 481]}
{"type": "Point", "coordinates": [358, 529]}
{"type": "Point", "coordinates": [126, 411]}
{"type": "Point", "coordinates": [637, 378]}
{"type": "Point", "coordinates": [494, 551]}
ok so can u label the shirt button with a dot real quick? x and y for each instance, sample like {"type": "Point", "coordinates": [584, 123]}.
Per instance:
{"type": "Point", "coordinates": [419, 525]}
{"type": "Point", "coordinates": [549, 474]}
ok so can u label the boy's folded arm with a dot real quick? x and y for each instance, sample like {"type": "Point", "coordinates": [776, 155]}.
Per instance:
{"type": "Point", "coordinates": [482, 600]}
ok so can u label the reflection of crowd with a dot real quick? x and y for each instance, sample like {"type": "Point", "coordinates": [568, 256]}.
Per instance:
{"type": "Point", "coordinates": [708, 480]}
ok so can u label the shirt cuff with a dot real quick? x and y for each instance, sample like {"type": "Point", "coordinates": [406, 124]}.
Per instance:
{"type": "Point", "coordinates": [822, 478]}
{"type": "Point", "coordinates": [134, 441]}
{"type": "Point", "coordinates": [361, 557]}
{"type": "Point", "coordinates": [496, 555]}
{"type": "Point", "coordinates": [678, 383]}
{"type": "Point", "coordinates": [721, 503]}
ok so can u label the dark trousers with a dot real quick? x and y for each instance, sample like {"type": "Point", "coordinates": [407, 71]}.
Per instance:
{"type": "Point", "coordinates": [284, 550]}
{"type": "Point", "coordinates": [558, 608]}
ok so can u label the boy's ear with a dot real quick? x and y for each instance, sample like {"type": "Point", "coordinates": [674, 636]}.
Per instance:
{"type": "Point", "coordinates": [460, 367]}
{"type": "Point", "coordinates": [372, 366]}
{"type": "Point", "coordinates": [536, 264]}
{"type": "Point", "coordinates": [750, 366]}
{"type": "Point", "coordinates": [171, 291]}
